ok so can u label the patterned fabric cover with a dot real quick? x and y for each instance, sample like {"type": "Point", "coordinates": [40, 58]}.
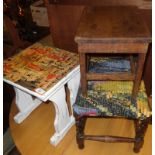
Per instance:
{"type": "Point", "coordinates": [112, 98]}
{"type": "Point", "coordinates": [109, 64]}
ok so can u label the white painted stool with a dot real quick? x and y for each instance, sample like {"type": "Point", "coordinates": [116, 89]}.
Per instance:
{"type": "Point", "coordinates": [31, 65]}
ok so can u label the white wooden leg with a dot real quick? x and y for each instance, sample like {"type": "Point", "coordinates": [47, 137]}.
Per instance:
{"type": "Point", "coordinates": [25, 104]}
{"type": "Point", "coordinates": [73, 86]}
{"type": "Point", "coordinates": [63, 122]}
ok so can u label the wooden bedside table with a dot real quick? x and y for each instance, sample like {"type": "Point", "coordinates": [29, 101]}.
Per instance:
{"type": "Point", "coordinates": [43, 73]}
{"type": "Point", "coordinates": [112, 30]}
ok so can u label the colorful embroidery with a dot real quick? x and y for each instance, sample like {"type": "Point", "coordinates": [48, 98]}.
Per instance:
{"type": "Point", "coordinates": [108, 64]}
{"type": "Point", "coordinates": [112, 98]}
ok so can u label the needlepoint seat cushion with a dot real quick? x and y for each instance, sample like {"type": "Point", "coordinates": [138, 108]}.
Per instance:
{"type": "Point", "coordinates": [111, 98]}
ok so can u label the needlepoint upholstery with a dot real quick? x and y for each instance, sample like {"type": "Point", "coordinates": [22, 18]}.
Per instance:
{"type": "Point", "coordinates": [111, 98]}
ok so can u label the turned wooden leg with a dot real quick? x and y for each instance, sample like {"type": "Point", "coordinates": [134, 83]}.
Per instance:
{"type": "Point", "coordinates": [140, 128]}
{"type": "Point", "coordinates": [80, 124]}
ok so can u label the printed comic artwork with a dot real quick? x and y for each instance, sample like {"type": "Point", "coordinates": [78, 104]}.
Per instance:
{"type": "Point", "coordinates": [39, 66]}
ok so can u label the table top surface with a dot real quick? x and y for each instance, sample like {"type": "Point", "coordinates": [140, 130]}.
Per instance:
{"type": "Point", "coordinates": [112, 24]}
{"type": "Point", "coordinates": [38, 68]}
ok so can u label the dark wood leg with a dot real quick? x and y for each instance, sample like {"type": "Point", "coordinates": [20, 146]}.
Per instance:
{"type": "Point", "coordinates": [138, 76]}
{"type": "Point", "coordinates": [147, 74]}
{"type": "Point", "coordinates": [80, 124]}
{"type": "Point", "coordinates": [83, 71]}
{"type": "Point", "coordinates": [132, 64]}
{"type": "Point", "coordinates": [88, 60]}
{"type": "Point", "coordinates": [140, 127]}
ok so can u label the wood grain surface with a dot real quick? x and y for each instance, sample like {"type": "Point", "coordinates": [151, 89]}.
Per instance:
{"type": "Point", "coordinates": [112, 24]}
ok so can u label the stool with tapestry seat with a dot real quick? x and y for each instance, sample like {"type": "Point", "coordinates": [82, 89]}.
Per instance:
{"type": "Point", "coordinates": [112, 44]}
